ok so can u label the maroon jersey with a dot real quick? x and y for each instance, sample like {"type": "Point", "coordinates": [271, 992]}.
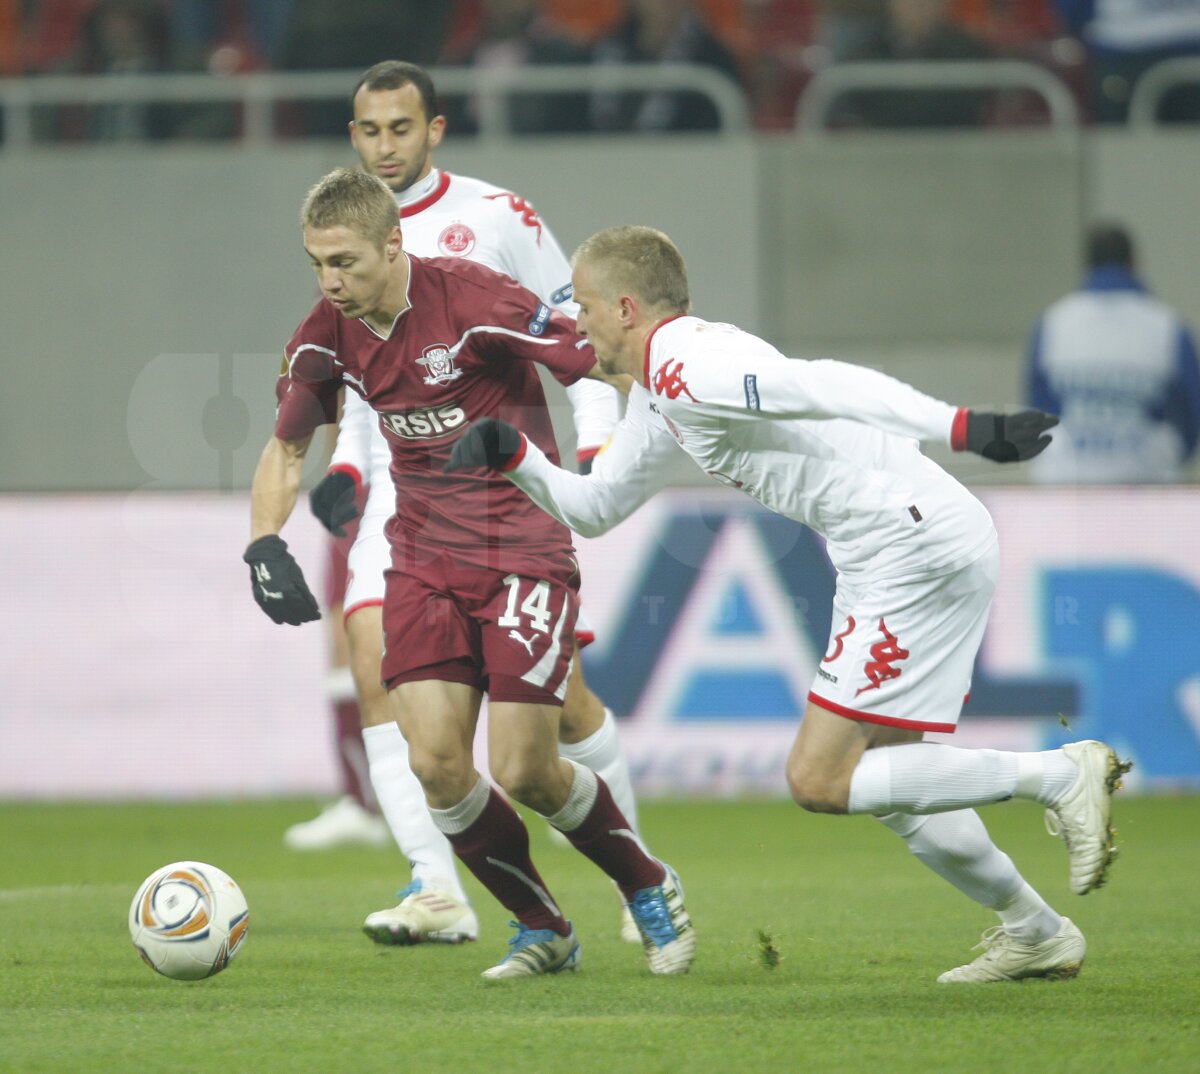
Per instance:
{"type": "Point", "coordinates": [462, 350]}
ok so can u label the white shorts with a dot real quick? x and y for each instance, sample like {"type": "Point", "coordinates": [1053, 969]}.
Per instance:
{"type": "Point", "coordinates": [371, 555]}
{"type": "Point", "coordinates": [901, 653]}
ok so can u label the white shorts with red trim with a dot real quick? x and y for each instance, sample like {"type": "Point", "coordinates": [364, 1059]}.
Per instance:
{"type": "Point", "coordinates": [901, 653]}
{"type": "Point", "coordinates": [371, 555]}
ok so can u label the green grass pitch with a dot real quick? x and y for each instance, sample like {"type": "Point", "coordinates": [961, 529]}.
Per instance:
{"type": "Point", "coordinates": [819, 941]}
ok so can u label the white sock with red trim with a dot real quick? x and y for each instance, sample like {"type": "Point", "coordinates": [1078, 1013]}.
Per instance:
{"type": "Point", "coordinates": [402, 800]}
{"type": "Point", "coordinates": [601, 752]}
{"type": "Point", "coordinates": [928, 777]}
{"type": "Point", "coordinates": [957, 847]}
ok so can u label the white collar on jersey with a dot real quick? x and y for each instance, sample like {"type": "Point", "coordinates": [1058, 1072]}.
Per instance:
{"type": "Point", "coordinates": [420, 189]}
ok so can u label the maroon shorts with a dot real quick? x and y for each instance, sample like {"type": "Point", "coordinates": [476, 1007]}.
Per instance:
{"type": "Point", "coordinates": [510, 635]}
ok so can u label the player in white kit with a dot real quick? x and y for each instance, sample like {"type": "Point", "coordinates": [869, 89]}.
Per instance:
{"type": "Point", "coordinates": [395, 127]}
{"type": "Point", "coordinates": [836, 447]}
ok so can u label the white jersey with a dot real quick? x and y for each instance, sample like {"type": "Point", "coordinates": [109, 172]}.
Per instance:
{"type": "Point", "coordinates": [448, 215]}
{"type": "Point", "coordinates": [831, 445]}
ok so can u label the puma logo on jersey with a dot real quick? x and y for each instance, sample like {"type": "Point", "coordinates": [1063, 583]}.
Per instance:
{"type": "Point", "coordinates": [427, 424]}
{"type": "Point", "coordinates": [527, 642]}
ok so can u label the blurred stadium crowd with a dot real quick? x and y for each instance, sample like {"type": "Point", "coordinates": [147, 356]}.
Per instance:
{"type": "Point", "coordinates": [770, 48]}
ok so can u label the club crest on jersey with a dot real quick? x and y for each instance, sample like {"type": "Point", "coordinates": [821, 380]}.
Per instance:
{"type": "Point", "coordinates": [439, 364]}
{"type": "Point", "coordinates": [456, 240]}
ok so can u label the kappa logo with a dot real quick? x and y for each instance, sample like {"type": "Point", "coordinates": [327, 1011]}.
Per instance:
{"type": "Point", "coordinates": [527, 212]}
{"type": "Point", "coordinates": [439, 364]}
{"type": "Point", "coordinates": [669, 381]}
{"type": "Point", "coordinates": [884, 655]}
{"type": "Point", "coordinates": [456, 240]}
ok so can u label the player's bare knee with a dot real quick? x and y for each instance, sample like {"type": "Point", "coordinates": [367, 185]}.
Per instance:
{"type": "Point", "coordinates": [814, 792]}
{"type": "Point", "coordinates": [526, 781]}
{"type": "Point", "coordinates": [518, 780]}
{"type": "Point", "coordinates": [439, 773]}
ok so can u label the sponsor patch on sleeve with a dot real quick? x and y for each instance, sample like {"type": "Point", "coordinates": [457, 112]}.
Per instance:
{"type": "Point", "coordinates": [538, 325]}
{"type": "Point", "coordinates": [563, 294]}
{"type": "Point", "coordinates": [750, 382]}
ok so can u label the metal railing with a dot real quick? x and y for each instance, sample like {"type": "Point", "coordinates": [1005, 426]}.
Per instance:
{"type": "Point", "coordinates": [1155, 83]}
{"type": "Point", "coordinates": [258, 94]}
{"type": "Point", "coordinates": [815, 103]}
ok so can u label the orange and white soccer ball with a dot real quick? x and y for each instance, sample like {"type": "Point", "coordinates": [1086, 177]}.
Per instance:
{"type": "Point", "coordinates": [188, 920]}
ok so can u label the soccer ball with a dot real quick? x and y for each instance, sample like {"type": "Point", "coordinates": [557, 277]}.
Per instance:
{"type": "Point", "coordinates": [188, 920]}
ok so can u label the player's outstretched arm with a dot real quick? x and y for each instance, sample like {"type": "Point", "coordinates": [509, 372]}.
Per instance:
{"type": "Point", "coordinates": [773, 386]}
{"type": "Point", "coordinates": [275, 577]}
{"type": "Point", "coordinates": [630, 469]}
{"type": "Point", "coordinates": [596, 409]}
{"type": "Point", "coordinates": [1002, 437]}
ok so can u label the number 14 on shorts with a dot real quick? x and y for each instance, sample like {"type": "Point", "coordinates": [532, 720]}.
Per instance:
{"type": "Point", "coordinates": [535, 606]}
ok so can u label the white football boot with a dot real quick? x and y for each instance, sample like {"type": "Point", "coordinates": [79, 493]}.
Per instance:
{"type": "Point", "coordinates": [1081, 815]}
{"type": "Point", "coordinates": [341, 824]}
{"type": "Point", "coordinates": [668, 938]}
{"type": "Point", "coordinates": [423, 916]}
{"type": "Point", "coordinates": [536, 951]}
{"type": "Point", "coordinates": [1006, 959]}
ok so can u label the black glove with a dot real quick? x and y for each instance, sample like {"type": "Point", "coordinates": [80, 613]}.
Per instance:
{"type": "Point", "coordinates": [489, 443]}
{"type": "Point", "coordinates": [1007, 437]}
{"type": "Point", "coordinates": [278, 582]}
{"type": "Point", "coordinates": [332, 501]}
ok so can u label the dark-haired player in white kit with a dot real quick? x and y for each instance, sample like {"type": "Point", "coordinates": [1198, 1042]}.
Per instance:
{"type": "Point", "coordinates": [481, 587]}
{"type": "Point", "coordinates": [396, 127]}
{"type": "Point", "coordinates": [836, 447]}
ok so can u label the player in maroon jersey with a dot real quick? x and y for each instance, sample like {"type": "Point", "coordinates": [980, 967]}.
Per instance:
{"type": "Point", "coordinates": [481, 593]}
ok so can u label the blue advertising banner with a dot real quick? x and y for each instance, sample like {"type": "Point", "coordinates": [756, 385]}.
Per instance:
{"type": "Point", "coordinates": [711, 616]}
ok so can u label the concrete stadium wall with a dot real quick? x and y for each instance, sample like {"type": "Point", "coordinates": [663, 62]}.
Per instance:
{"type": "Point", "coordinates": [146, 293]}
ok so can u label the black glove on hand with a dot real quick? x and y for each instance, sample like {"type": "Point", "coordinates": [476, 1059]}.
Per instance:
{"type": "Point", "coordinates": [332, 501]}
{"type": "Point", "coordinates": [489, 442]}
{"type": "Point", "coordinates": [1008, 437]}
{"type": "Point", "coordinates": [278, 582]}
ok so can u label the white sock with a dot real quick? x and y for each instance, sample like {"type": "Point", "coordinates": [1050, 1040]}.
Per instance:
{"type": "Point", "coordinates": [404, 808]}
{"type": "Point", "coordinates": [957, 847]}
{"type": "Point", "coordinates": [601, 752]}
{"type": "Point", "coordinates": [928, 777]}
{"type": "Point", "coordinates": [580, 799]}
